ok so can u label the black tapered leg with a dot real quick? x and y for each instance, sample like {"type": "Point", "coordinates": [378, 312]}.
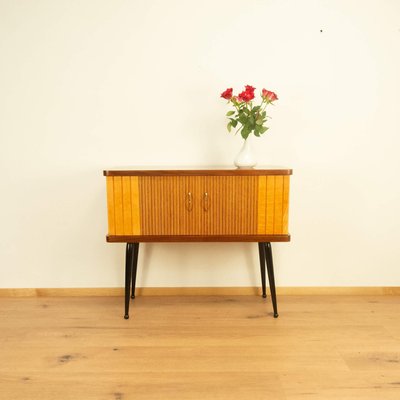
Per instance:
{"type": "Point", "coordinates": [261, 251]}
{"type": "Point", "coordinates": [134, 267]}
{"type": "Point", "coordinates": [128, 273]}
{"type": "Point", "coordinates": [271, 277]}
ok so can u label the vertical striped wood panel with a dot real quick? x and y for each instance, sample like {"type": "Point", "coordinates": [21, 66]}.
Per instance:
{"type": "Point", "coordinates": [196, 228]}
{"type": "Point", "coordinates": [278, 204]}
{"type": "Point", "coordinates": [270, 206]}
{"type": "Point", "coordinates": [123, 205]}
{"type": "Point", "coordinates": [251, 203]}
{"type": "Point", "coordinates": [110, 205]}
{"type": "Point", "coordinates": [118, 206]}
{"type": "Point", "coordinates": [163, 198]}
{"type": "Point", "coordinates": [230, 206]}
{"type": "Point", "coordinates": [273, 205]}
{"type": "Point", "coordinates": [126, 205]}
{"type": "Point", "coordinates": [146, 196]}
{"type": "Point", "coordinates": [262, 185]}
{"type": "Point", "coordinates": [135, 205]}
{"type": "Point", "coordinates": [285, 204]}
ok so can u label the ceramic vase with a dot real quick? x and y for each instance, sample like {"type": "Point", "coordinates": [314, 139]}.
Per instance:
{"type": "Point", "coordinates": [245, 158]}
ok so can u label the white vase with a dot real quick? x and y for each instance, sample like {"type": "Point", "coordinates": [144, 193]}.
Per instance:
{"type": "Point", "coordinates": [245, 158]}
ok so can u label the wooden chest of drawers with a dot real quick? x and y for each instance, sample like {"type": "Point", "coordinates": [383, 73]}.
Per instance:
{"type": "Point", "coordinates": [227, 205]}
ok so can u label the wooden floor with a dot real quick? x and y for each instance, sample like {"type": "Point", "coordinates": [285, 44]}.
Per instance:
{"type": "Point", "coordinates": [200, 347]}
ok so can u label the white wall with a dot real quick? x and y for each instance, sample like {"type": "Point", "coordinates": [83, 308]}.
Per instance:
{"type": "Point", "coordinates": [88, 85]}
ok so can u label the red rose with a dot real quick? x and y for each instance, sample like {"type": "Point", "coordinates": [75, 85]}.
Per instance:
{"type": "Point", "coordinates": [269, 96]}
{"type": "Point", "coordinates": [250, 89]}
{"type": "Point", "coordinates": [227, 94]}
{"type": "Point", "coordinates": [246, 96]}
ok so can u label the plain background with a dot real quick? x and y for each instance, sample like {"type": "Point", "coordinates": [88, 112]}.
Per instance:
{"type": "Point", "coordinates": [93, 84]}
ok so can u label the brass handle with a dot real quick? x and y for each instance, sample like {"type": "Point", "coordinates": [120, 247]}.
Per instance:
{"type": "Point", "coordinates": [189, 202]}
{"type": "Point", "coordinates": [205, 202]}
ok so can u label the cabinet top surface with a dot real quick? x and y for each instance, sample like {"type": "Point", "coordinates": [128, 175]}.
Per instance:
{"type": "Point", "coordinates": [197, 171]}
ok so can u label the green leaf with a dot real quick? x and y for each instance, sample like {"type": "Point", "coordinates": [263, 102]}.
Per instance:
{"type": "Point", "coordinates": [259, 121]}
{"type": "Point", "coordinates": [243, 118]}
{"type": "Point", "coordinates": [234, 123]}
{"type": "Point", "coordinates": [251, 123]}
{"type": "Point", "coordinates": [229, 126]}
{"type": "Point", "coordinates": [229, 113]}
{"type": "Point", "coordinates": [256, 108]}
{"type": "Point", "coordinates": [245, 132]}
{"type": "Point", "coordinates": [263, 129]}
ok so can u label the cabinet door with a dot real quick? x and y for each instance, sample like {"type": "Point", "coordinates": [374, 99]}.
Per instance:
{"type": "Point", "coordinates": [167, 205]}
{"type": "Point", "coordinates": [198, 205]}
{"type": "Point", "coordinates": [229, 204]}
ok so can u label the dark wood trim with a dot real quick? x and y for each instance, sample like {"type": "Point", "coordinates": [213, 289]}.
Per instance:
{"type": "Point", "coordinates": [198, 172]}
{"type": "Point", "coordinates": [197, 238]}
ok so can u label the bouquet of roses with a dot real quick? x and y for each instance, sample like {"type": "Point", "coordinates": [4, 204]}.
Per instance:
{"type": "Point", "coordinates": [247, 117]}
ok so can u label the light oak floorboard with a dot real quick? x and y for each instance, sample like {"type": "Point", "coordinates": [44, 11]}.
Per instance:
{"type": "Point", "coordinates": [200, 347]}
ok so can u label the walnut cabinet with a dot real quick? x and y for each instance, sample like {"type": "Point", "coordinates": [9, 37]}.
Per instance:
{"type": "Point", "coordinates": [249, 205]}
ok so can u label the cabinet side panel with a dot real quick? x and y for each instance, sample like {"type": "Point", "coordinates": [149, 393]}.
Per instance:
{"type": "Point", "coordinates": [270, 205]}
{"type": "Point", "coordinates": [261, 209]}
{"type": "Point", "coordinates": [110, 205]}
{"type": "Point", "coordinates": [278, 217]}
{"type": "Point", "coordinates": [135, 199]}
{"type": "Point", "coordinates": [127, 205]}
{"type": "Point", "coordinates": [118, 206]}
{"type": "Point", "coordinates": [285, 205]}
